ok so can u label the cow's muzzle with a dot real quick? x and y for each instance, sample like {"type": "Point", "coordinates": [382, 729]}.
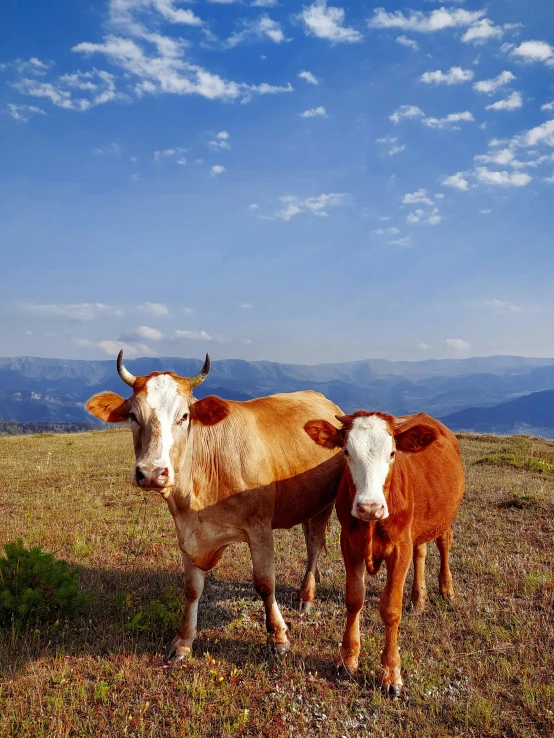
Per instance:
{"type": "Point", "coordinates": [369, 511]}
{"type": "Point", "coordinates": [152, 477]}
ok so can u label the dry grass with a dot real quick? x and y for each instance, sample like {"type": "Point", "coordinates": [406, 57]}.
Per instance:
{"type": "Point", "coordinates": [482, 667]}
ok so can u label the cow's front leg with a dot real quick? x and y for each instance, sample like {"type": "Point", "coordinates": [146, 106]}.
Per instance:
{"type": "Point", "coordinates": [263, 576]}
{"type": "Point", "coordinates": [314, 532]}
{"type": "Point", "coordinates": [390, 610]}
{"type": "Point", "coordinates": [354, 564]}
{"type": "Point", "coordinates": [181, 646]}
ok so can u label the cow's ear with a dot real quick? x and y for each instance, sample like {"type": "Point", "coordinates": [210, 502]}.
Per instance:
{"type": "Point", "coordinates": [210, 410]}
{"type": "Point", "coordinates": [109, 407]}
{"type": "Point", "coordinates": [416, 438]}
{"type": "Point", "coordinates": [325, 434]}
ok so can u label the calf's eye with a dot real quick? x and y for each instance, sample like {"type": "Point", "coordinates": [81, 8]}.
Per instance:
{"type": "Point", "coordinates": [345, 451]}
{"type": "Point", "coordinates": [392, 454]}
{"type": "Point", "coordinates": [133, 417]}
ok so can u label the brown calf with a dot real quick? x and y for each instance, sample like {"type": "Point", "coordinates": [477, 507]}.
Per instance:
{"type": "Point", "coordinates": [401, 488]}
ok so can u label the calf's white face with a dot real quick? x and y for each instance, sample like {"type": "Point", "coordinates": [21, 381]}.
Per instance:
{"type": "Point", "coordinates": [370, 453]}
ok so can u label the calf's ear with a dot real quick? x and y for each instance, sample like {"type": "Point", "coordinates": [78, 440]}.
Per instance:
{"type": "Point", "coordinates": [210, 410]}
{"type": "Point", "coordinates": [416, 438]}
{"type": "Point", "coordinates": [109, 407]}
{"type": "Point", "coordinates": [325, 434]}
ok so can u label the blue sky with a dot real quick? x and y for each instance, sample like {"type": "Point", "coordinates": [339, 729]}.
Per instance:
{"type": "Point", "coordinates": [298, 182]}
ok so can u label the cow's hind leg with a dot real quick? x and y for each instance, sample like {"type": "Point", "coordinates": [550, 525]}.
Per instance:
{"type": "Point", "coordinates": [181, 646]}
{"type": "Point", "coordinates": [263, 575]}
{"type": "Point", "coordinates": [444, 542]}
{"type": "Point", "coordinates": [314, 533]}
{"type": "Point", "coordinates": [390, 610]}
{"type": "Point", "coordinates": [419, 588]}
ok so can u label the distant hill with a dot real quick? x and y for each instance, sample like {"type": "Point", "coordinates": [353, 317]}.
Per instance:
{"type": "Point", "coordinates": [532, 414]}
{"type": "Point", "coordinates": [7, 428]}
{"type": "Point", "coordinates": [55, 390]}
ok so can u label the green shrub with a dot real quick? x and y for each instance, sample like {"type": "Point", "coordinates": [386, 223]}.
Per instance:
{"type": "Point", "coordinates": [35, 587]}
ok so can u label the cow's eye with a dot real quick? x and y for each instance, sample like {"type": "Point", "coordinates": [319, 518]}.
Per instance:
{"type": "Point", "coordinates": [182, 420]}
{"type": "Point", "coordinates": [345, 451]}
{"type": "Point", "coordinates": [133, 417]}
{"type": "Point", "coordinates": [392, 454]}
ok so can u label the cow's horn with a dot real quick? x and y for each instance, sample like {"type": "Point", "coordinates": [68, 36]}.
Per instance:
{"type": "Point", "coordinates": [341, 418]}
{"type": "Point", "coordinates": [202, 374]}
{"type": "Point", "coordinates": [126, 376]}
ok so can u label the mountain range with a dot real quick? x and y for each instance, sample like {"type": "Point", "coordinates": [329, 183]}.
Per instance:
{"type": "Point", "coordinates": [486, 394]}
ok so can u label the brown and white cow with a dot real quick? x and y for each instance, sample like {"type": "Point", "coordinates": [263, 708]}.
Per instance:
{"type": "Point", "coordinates": [230, 471]}
{"type": "Point", "coordinates": [402, 485]}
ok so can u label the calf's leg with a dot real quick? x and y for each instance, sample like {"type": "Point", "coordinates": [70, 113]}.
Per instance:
{"type": "Point", "coordinates": [263, 575]}
{"type": "Point", "coordinates": [355, 593]}
{"type": "Point", "coordinates": [181, 645]}
{"type": "Point", "coordinates": [390, 609]}
{"type": "Point", "coordinates": [314, 533]}
{"type": "Point", "coordinates": [419, 588]}
{"type": "Point", "coordinates": [444, 542]}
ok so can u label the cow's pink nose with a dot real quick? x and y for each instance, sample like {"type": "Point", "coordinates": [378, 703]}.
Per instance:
{"type": "Point", "coordinates": [371, 511]}
{"type": "Point", "coordinates": [151, 476]}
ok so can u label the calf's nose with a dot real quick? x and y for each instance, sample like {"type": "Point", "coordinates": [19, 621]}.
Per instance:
{"type": "Point", "coordinates": [371, 511]}
{"type": "Point", "coordinates": [151, 476]}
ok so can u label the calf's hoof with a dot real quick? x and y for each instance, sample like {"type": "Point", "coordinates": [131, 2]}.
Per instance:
{"type": "Point", "coordinates": [177, 651]}
{"type": "Point", "coordinates": [305, 607]}
{"type": "Point", "coordinates": [280, 649]}
{"type": "Point", "coordinates": [392, 691]}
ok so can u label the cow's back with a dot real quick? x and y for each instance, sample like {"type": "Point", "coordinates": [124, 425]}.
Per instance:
{"type": "Point", "coordinates": [434, 478]}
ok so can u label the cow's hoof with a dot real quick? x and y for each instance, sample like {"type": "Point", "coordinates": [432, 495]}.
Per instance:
{"type": "Point", "coordinates": [305, 607]}
{"type": "Point", "coordinates": [343, 672]}
{"type": "Point", "coordinates": [177, 651]}
{"type": "Point", "coordinates": [392, 691]}
{"type": "Point", "coordinates": [280, 649]}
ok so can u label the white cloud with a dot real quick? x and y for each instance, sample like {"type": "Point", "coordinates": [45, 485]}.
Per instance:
{"type": "Point", "coordinates": [152, 334]}
{"type": "Point", "coordinates": [420, 216]}
{"type": "Point", "coordinates": [421, 22]}
{"type": "Point", "coordinates": [457, 181]}
{"type": "Point", "coordinates": [176, 153]}
{"type": "Point", "coordinates": [409, 42]}
{"type": "Point", "coordinates": [420, 196]}
{"type": "Point", "coordinates": [246, 305]}
{"type": "Point", "coordinates": [406, 111]}
{"type": "Point", "coordinates": [154, 308]}
{"type": "Point", "coordinates": [501, 306]}
{"type": "Point", "coordinates": [392, 231]}
{"type": "Point", "coordinates": [328, 23]}
{"type": "Point", "coordinates": [111, 148]}
{"type": "Point", "coordinates": [502, 179]}
{"type": "Point", "coordinates": [112, 348]}
{"type": "Point", "coordinates": [216, 170]}
{"type": "Point", "coordinates": [265, 3]}
{"type": "Point", "coordinates": [392, 145]}
{"type": "Point", "coordinates": [83, 311]}
{"type": "Point", "coordinates": [404, 241]}
{"type": "Point", "coordinates": [543, 134]}
{"type": "Point", "coordinates": [449, 121]}
{"type": "Point", "coordinates": [512, 102]}
{"type": "Point", "coordinates": [458, 344]}
{"type": "Point", "coordinates": [263, 27]}
{"type": "Point", "coordinates": [98, 86]}
{"type": "Point", "coordinates": [319, 112]}
{"type": "Point", "coordinates": [422, 346]}
{"type": "Point", "coordinates": [535, 51]}
{"type": "Point", "coordinates": [454, 76]}
{"type": "Point", "coordinates": [194, 335]}
{"type": "Point", "coordinates": [221, 141]}
{"type": "Point", "coordinates": [23, 112]}
{"type": "Point", "coordinates": [548, 106]}
{"type": "Point", "coordinates": [253, 206]}
{"type": "Point", "coordinates": [482, 31]}
{"type": "Point", "coordinates": [317, 205]}
{"type": "Point", "coordinates": [486, 211]}
{"type": "Point", "coordinates": [549, 180]}
{"type": "Point", "coordinates": [308, 77]}
{"type": "Point", "coordinates": [489, 86]}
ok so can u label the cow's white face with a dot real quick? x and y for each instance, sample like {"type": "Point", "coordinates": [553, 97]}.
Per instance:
{"type": "Point", "coordinates": [370, 451]}
{"type": "Point", "coordinates": [159, 416]}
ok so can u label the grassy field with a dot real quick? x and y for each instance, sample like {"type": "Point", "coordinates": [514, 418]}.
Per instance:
{"type": "Point", "coordinates": [483, 666]}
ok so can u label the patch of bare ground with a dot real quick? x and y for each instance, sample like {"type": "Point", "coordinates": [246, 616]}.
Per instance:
{"type": "Point", "coordinates": [482, 666]}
